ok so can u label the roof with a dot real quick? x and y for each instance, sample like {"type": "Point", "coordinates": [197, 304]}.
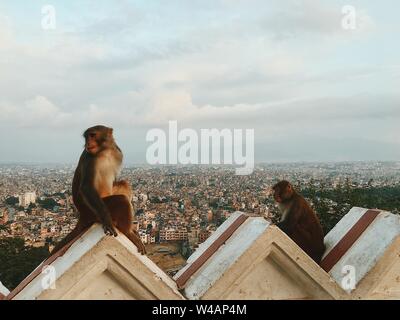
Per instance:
{"type": "Point", "coordinates": [248, 258]}
{"type": "Point", "coordinates": [245, 258]}
{"type": "Point", "coordinates": [3, 291]}
{"type": "Point", "coordinates": [359, 239]}
{"type": "Point", "coordinates": [37, 272]}
{"type": "Point", "coordinates": [113, 252]}
{"type": "Point", "coordinates": [222, 245]}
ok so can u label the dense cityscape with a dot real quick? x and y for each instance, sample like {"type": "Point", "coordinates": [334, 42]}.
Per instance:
{"type": "Point", "coordinates": [184, 205]}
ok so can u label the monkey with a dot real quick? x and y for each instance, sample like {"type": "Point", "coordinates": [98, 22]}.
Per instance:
{"type": "Point", "coordinates": [299, 220]}
{"type": "Point", "coordinates": [96, 193]}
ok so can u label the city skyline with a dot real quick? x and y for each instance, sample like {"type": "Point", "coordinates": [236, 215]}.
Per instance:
{"type": "Point", "coordinates": [130, 165]}
{"type": "Point", "coordinates": [177, 209]}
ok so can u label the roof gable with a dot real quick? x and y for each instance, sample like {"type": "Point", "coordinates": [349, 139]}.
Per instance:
{"type": "Point", "coordinates": [257, 261]}
{"type": "Point", "coordinates": [227, 250]}
{"type": "Point", "coordinates": [370, 245]}
{"type": "Point", "coordinates": [96, 266]}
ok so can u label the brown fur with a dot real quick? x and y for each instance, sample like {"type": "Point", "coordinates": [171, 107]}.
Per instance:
{"type": "Point", "coordinates": [96, 193]}
{"type": "Point", "coordinates": [299, 221]}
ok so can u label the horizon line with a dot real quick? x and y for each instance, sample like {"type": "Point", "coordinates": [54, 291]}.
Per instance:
{"type": "Point", "coordinates": [207, 165]}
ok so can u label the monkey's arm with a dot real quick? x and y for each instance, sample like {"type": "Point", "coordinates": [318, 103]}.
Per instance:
{"type": "Point", "coordinates": [92, 199]}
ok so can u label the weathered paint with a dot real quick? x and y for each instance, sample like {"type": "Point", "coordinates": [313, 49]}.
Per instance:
{"type": "Point", "coordinates": [337, 252]}
{"type": "Point", "coordinates": [370, 246]}
{"type": "Point", "coordinates": [197, 264]}
{"type": "Point", "coordinates": [3, 290]}
{"type": "Point", "coordinates": [83, 246]}
{"type": "Point", "coordinates": [224, 257]}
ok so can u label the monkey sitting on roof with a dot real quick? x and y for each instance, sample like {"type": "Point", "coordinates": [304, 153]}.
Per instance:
{"type": "Point", "coordinates": [299, 221]}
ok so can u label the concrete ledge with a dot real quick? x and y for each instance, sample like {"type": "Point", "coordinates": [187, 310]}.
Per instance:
{"type": "Point", "coordinates": [258, 261]}
{"type": "Point", "coordinates": [97, 266]}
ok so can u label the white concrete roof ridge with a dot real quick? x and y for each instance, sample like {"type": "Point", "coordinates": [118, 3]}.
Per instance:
{"type": "Point", "coordinates": [147, 262]}
{"type": "Point", "coordinates": [245, 257]}
{"type": "Point", "coordinates": [87, 241]}
{"type": "Point", "coordinates": [224, 257]}
{"type": "Point", "coordinates": [210, 240]}
{"type": "Point", "coordinates": [369, 247]}
{"type": "Point", "coordinates": [3, 290]}
{"type": "Point", "coordinates": [78, 249]}
{"type": "Point", "coordinates": [257, 261]}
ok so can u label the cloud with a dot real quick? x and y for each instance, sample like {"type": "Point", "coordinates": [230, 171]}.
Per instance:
{"type": "Point", "coordinates": [309, 17]}
{"type": "Point", "coordinates": [5, 32]}
{"type": "Point", "coordinates": [302, 112]}
{"type": "Point", "coordinates": [287, 70]}
{"type": "Point", "coordinates": [38, 112]}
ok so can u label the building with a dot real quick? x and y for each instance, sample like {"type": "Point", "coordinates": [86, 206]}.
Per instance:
{"type": "Point", "coordinates": [147, 238]}
{"type": "Point", "coordinates": [193, 237]}
{"type": "Point", "coordinates": [4, 217]}
{"type": "Point", "coordinates": [11, 214]}
{"type": "Point", "coordinates": [203, 235]}
{"type": "Point", "coordinates": [173, 235]}
{"type": "Point", "coordinates": [27, 198]}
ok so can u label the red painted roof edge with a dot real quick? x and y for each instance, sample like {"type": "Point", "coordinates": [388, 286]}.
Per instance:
{"type": "Point", "coordinates": [196, 265]}
{"type": "Point", "coordinates": [348, 239]}
{"type": "Point", "coordinates": [38, 270]}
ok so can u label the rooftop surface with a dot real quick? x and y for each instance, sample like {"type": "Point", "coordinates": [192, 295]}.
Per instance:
{"type": "Point", "coordinates": [360, 239]}
{"type": "Point", "coordinates": [3, 291]}
{"type": "Point", "coordinates": [63, 260]}
{"type": "Point", "coordinates": [225, 255]}
{"type": "Point", "coordinates": [369, 247]}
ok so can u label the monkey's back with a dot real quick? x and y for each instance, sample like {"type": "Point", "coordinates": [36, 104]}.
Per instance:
{"type": "Point", "coordinates": [308, 233]}
{"type": "Point", "coordinates": [120, 210]}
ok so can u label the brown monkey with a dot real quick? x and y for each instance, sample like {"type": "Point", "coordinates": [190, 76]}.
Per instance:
{"type": "Point", "coordinates": [96, 193]}
{"type": "Point", "coordinates": [299, 221]}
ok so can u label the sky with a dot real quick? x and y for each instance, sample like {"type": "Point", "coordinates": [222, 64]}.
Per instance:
{"type": "Point", "coordinates": [311, 89]}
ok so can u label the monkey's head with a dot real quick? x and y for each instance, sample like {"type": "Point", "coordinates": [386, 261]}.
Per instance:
{"type": "Point", "coordinates": [98, 138]}
{"type": "Point", "coordinates": [283, 191]}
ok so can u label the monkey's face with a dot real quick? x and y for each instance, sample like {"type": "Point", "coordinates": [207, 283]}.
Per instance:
{"type": "Point", "coordinates": [92, 143]}
{"type": "Point", "coordinates": [97, 138]}
{"type": "Point", "coordinates": [283, 192]}
{"type": "Point", "coordinates": [277, 196]}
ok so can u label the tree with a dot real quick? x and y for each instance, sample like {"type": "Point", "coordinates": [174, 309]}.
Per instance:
{"type": "Point", "coordinates": [12, 201]}
{"type": "Point", "coordinates": [18, 260]}
{"type": "Point", "coordinates": [184, 249]}
{"type": "Point", "coordinates": [32, 206]}
{"type": "Point", "coordinates": [48, 203]}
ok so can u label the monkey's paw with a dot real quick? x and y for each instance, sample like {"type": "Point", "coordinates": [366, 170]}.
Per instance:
{"type": "Point", "coordinates": [109, 230]}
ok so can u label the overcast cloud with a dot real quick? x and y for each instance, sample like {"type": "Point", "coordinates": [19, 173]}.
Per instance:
{"type": "Point", "coordinates": [312, 90]}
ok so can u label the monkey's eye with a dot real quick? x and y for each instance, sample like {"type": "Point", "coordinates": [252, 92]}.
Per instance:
{"type": "Point", "coordinates": [92, 135]}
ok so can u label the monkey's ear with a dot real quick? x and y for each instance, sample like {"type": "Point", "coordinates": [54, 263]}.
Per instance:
{"type": "Point", "coordinates": [110, 131]}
